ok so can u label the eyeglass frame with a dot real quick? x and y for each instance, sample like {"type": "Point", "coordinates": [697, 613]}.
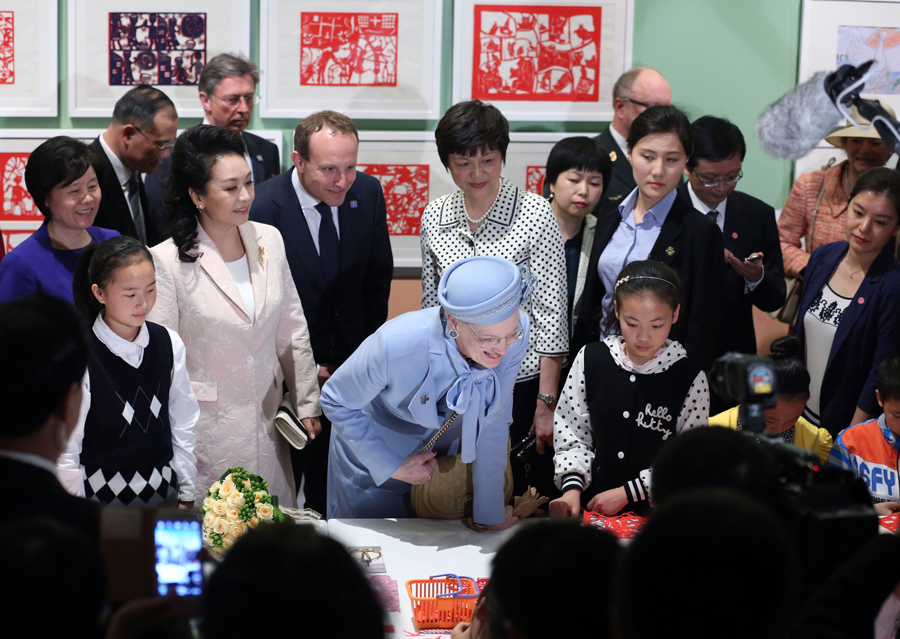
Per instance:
{"type": "Point", "coordinates": [166, 146]}
{"type": "Point", "coordinates": [643, 104]}
{"type": "Point", "coordinates": [713, 183]}
{"type": "Point", "coordinates": [237, 98]}
{"type": "Point", "coordinates": [488, 342]}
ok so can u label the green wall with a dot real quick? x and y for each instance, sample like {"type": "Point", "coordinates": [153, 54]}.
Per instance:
{"type": "Point", "coordinates": [722, 57]}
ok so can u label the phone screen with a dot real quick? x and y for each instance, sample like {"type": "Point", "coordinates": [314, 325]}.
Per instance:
{"type": "Point", "coordinates": [178, 544]}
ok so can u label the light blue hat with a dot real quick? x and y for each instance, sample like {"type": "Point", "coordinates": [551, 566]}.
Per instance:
{"type": "Point", "coordinates": [484, 289]}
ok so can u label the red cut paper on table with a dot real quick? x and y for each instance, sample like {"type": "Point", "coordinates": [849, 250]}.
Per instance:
{"type": "Point", "coordinates": [624, 526]}
{"type": "Point", "coordinates": [17, 203]}
{"type": "Point", "coordinates": [405, 193]}
{"type": "Point", "coordinates": [7, 48]}
{"type": "Point", "coordinates": [541, 53]}
{"type": "Point", "coordinates": [348, 49]}
{"type": "Point", "coordinates": [890, 522]}
{"type": "Point", "coordinates": [156, 48]}
{"type": "Point", "coordinates": [534, 179]}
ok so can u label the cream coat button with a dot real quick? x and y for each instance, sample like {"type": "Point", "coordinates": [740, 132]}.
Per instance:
{"type": "Point", "coordinates": [621, 455]}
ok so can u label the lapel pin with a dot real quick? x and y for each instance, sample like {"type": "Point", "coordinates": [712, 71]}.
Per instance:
{"type": "Point", "coordinates": [262, 252]}
{"type": "Point", "coordinates": [613, 156]}
{"type": "Point", "coordinates": [734, 235]}
{"type": "Point", "coordinates": [861, 300]}
{"type": "Point", "coordinates": [423, 399]}
{"type": "Point", "coordinates": [670, 251]}
{"type": "Point", "coordinates": [259, 158]}
{"type": "Point", "coordinates": [352, 204]}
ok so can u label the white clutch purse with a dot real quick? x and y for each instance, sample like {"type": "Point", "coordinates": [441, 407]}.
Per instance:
{"type": "Point", "coordinates": [291, 428]}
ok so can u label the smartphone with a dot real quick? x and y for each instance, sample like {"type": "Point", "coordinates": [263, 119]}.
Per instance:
{"type": "Point", "coordinates": [178, 542]}
{"type": "Point", "coordinates": [754, 258]}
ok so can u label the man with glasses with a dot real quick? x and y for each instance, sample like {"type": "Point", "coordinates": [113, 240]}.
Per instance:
{"type": "Point", "coordinates": [228, 94]}
{"type": "Point", "coordinates": [139, 138]}
{"type": "Point", "coordinates": [633, 92]}
{"type": "Point", "coordinates": [754, 269]}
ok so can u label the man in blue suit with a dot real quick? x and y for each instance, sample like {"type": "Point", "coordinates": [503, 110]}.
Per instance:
{"type": "Point", "coordinates": [334, 222]}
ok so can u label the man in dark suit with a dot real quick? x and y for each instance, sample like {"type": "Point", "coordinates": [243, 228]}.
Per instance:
{"type": "Point", "coordinates": [138, 140]}
{"type": "Point", "coordinates": [334, 223]}
{"type": "Point", "coordinates": [45, 351]}
{"type": "Point", "coordinates": [754, 273]}
{"type": "Point", "coordinates": [227, 87]}
{"type": "Point", "coordinates": [633, 92]}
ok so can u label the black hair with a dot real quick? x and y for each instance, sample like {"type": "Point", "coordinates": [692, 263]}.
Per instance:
{"type": "Point", "coordinates": [663, 118]}
{"type": "Point", "coordinates": [139, 106]}
{"type": "Point", "coordinates": [703, 561]}
{"type": "Point", "coordinates": [469, 127]}
{"type": "Point", "coordinates": [44, 347]}
{"type": "Point", "coordinates": [889, 379]}
{"type": "Point", "coordinates": [715, 139]}
{"type": "Point", "coordinates": [276, 560]}
{"type": "Point", "coordinates": [98, 265]}
{"type": "Point", "coordinates": [880, 181]}
{"type": "Point", "coordinates": [196, 152]}
{"type": "Point", "coordinates": [644, 277]}
{"type": "Point", "coordinates": [575, 562]}
{"type": "Point", "coordinates": [581, 154]}
{"type": "Point", "coordinates": [791, 375]}
{"type": "Point", "coordinates": [57, 162]}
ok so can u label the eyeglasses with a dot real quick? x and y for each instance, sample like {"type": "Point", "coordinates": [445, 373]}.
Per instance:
{"type": "Point", "coordinates": [233, 100]}
{"type": "Point", "coordinates": [710, 183]}
{"type": "Point", "coordinates": [160, 146]}
{"type": "Point", "coordinates": [494, 342]}
{"type": "Point", "coordinates": [643, 104]}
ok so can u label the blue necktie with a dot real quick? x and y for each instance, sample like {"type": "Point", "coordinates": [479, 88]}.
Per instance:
{"type": "Point", "coordinates": [329, 245]}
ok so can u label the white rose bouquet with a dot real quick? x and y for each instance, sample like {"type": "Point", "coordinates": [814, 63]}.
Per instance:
{"type": "Point", "coordinates": [233, 505]}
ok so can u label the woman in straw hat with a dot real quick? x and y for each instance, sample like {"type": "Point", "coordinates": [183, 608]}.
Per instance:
{"type": "Point", "coordinates": [817, 205]}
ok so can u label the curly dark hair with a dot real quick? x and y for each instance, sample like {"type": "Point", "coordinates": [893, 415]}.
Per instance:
{"type": "Point", "coordinates": [196, 152]}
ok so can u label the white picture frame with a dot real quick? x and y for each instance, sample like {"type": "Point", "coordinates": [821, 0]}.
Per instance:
{"type": "Point", "coordinates": [417, 148]}
{"type": "Point", "coordinates": [28, 59]}
{"type": "Point", "coordinates": [93, 87]}
{"type": "Point", "coordinates": [301, 75]}
{"type": "Point", "coordinates": [590, 83]}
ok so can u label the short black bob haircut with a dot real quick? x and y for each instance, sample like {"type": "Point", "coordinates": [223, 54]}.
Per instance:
{"type": "Point", "coordinates": [889, 379]}
{"type": "Point", "coordinates": [469, 127]}
{"type": "Point", "coordinates": [715, 139]}
{"type": "Point", "coordinates": [663, 118]}
{"type": "Point", "coordinates": [581, 154]}
{"type": "Point", "coordinates": [57, 162]}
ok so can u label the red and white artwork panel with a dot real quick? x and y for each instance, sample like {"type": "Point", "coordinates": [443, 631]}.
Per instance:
{"type": "Point", "coordinates": [405, 193]}
{"type": "Point", "coordinates": [17, 203]}
{"type": "Point", "coordinates": [348, 49]}
{"type": "Point", "coordinates": [534, 179]}
{"type": "Point", "coordinates": [7, 47]}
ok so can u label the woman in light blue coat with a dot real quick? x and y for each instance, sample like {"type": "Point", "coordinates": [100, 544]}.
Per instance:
{"type": "Point", "coordinates": [403, 382]}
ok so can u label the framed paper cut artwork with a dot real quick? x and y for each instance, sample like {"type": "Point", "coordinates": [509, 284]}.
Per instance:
{"type": "Point", "coordinates": [411, 174]}
{"type": "Point", "coordinates": [542, 60]}
{"type": "Point", "coordinates": [115, 44]}
{"type": "Point", "coordinates": [28, 58]}
{"type": "Point", "coordinates": [364, 58]}
{"type": "Point", "coordinates": [837, 32]}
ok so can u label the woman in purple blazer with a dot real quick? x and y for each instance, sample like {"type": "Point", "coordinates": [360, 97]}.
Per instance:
{"type": "Point", "coordinates": [61, 180]}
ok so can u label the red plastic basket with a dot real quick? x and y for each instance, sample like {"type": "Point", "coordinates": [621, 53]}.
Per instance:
{"type": "Point", "coordinates": [442, 601]}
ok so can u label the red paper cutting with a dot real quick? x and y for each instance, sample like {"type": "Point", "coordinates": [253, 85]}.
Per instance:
{"type": "Point", "coordinates": [405, 193]}
{"type": "Point", "coordinates": [890, 522]}
{"type": "Point", "coordinates": [348, 49]}
{"type": "Point", "coordinates": [156, 48]}
{"type": "Point", "coordinates": [11, 239]}
{"type": "Point", "coordinates": [543, 53]}
{"type": "Point", "coordinates": [17, 203]}
{"type": "Point", "coordinates": [624, 526]}
{"type": "Point", "coordinates": [7, 48]}
{"type": "Point", "coordinates": [534, 179]}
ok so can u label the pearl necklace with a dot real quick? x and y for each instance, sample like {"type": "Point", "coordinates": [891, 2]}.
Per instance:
{"type": "Point", "coordinates": [480, 219]}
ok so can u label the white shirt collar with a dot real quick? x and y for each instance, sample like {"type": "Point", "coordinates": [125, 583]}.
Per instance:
{"type": "Point", "coordinates": [307, 201]}
{"type": "Point", "coordinates": [700, 206]}
{"type": "Point", "coordinates": [623, 145]}
{"type": "Point", "coordinates": [131, 352]}
{"type": "Point", "coordinates": [661, 361]}
{"type": "Point", "coordinates": [28, 458]}
{"type": "Point", "coordinates": [121, 171]}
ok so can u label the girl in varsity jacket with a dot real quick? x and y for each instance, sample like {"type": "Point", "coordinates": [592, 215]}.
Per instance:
{"type": "Point", "coordinates": [135, 439]}
{"type": "Point", "coordinates": [624, 397]}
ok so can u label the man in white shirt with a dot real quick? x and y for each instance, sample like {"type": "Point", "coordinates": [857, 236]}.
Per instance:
{"type": "Point", "coordinates": [139, 137]}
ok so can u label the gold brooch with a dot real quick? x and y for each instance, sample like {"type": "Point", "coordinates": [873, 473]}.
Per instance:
{"type": "Point", "coordinates": [262, 253]}
{"type": "Point", "coordinates": [670, 251]}
{"type": "Point", "coordinates": [613, 156]}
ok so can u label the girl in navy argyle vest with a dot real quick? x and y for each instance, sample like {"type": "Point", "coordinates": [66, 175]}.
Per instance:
{"type": "Point", "coordinates": [135, 445]}
{"type": "Point", "coordinates": [625, 397]}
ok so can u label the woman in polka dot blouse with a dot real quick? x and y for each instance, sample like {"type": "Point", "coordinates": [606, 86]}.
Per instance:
{"type": "Point", "coordinates": [624, 397]}
{"type": "Point", "coordinates": [489, 215]}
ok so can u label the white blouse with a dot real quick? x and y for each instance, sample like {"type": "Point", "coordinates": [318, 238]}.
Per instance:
{"type": "Point", "coordinates": [521, 228]}
{"type": "Point", "coordinates": [184, 411]}
{"type": "Point", "coordinates": [821, 323]}
{"type": "Point", "coordinates": [240, 273]}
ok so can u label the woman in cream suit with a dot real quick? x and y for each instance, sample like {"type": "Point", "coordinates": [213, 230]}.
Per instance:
{"type": "Point", "coordinates": [225, 286]}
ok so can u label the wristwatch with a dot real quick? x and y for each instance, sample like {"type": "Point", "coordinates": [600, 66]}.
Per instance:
{"type": "Point", "coordinates": [550, 400]}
